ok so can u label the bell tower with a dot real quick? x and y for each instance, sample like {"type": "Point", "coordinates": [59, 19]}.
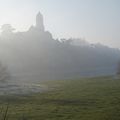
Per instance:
{"type": "Point", "coordinates": [40, 22]}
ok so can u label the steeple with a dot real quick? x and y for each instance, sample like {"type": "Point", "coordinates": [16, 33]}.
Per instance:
{"type": "Point", "coordinates": [40, 22]}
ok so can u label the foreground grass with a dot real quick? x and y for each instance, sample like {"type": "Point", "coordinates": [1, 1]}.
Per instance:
{"type": "Point", "coordinates": [85, 99]}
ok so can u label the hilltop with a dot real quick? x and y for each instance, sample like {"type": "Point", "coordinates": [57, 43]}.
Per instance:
{"type": "Point", "coordinates": [36, 55]}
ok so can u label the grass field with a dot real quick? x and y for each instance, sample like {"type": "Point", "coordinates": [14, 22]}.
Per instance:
{"type": "Point", "coordinates": [84, 99]}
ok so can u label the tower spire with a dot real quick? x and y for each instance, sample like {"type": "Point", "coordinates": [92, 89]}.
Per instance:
{"type": "Point", "coordinates": [40, 22]}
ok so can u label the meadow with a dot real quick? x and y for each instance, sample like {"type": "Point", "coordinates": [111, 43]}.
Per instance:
{"type": "Point", "coordinates": [80, 99]}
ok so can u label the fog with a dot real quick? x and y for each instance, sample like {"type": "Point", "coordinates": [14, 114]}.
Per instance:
{"type": "Point", "coordinates": [34, 55]}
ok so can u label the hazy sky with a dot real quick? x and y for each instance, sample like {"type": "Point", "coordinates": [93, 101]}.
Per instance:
{"type": "Point", "coordinates": [94, 20]}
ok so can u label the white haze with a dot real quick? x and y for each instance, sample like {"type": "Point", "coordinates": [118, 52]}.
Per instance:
{"type": "Point", "coordinates": [34, 55]}
{"type": "Point", "coordinates": [96, 21]}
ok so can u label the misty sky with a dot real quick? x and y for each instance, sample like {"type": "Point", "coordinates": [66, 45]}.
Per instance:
{"type": "Point", "coordinates": [94, 20]}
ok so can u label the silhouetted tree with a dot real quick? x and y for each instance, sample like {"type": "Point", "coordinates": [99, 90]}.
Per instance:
{"type": "Point", "coordinates": [118, 68]}
{"type": "Point", "coordinates": [4, 75]}
{"type": "Point", "coordinates": [7, 29]}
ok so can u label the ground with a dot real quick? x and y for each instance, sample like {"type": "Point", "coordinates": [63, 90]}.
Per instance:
{"type": "Point", "coordinates": [81, 99]}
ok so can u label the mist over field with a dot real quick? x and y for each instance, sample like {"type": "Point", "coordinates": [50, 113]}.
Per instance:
{"type": "Point", "coordinates": [36, 55]}
{"type": "Point", "coordinates": [59, 60]}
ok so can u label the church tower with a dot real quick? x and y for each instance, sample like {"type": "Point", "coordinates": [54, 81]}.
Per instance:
{"type": "Point", "coordinates": [40, 22]}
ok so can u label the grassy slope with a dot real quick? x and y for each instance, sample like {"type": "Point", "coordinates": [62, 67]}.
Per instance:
{"type": "Point", "coordinates": [85, 99]}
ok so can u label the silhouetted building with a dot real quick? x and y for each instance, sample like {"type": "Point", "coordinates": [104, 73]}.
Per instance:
{"type": "Point", "coordinates": [40, 22]}
{"type": "Point", "coordinates": [36, 55]}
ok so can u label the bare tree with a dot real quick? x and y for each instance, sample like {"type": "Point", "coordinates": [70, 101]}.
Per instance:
{"type": "Point", "coordinates": [4, 74]}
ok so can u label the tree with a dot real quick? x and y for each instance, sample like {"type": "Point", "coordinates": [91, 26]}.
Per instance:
{"type": "Point", "coordinates": [118, 68]}
{"type": "Point", "coordinates": [7, 29]}
{"type": "Point", "coordinates": [4, 74]}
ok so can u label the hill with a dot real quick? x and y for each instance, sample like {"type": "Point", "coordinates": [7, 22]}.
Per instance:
{"type": "Point", "coordinates": [35, 54]}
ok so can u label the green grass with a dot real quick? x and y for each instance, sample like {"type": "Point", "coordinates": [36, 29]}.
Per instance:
{"type": "Point", "coordinates": [84, 99]}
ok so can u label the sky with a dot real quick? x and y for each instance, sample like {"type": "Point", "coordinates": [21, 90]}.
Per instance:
{"type": "Point", "coordinates": [97, 21]}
